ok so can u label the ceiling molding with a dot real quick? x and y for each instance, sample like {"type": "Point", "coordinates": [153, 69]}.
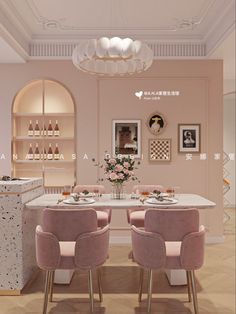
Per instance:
{"type": "Point", "coordinates": [62, 50]}
{"type": "Point", "coordinates": [188, 23]}
{"type": "Point", "coordinates": [165, 44]}
{"type": "Point", "coordinates": [221, 29]}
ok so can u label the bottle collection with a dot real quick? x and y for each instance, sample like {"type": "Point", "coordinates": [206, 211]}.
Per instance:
{"type": "Point", "coordinates": [49, 154]}
{"type": "Point", "coordinates": [43, 131]}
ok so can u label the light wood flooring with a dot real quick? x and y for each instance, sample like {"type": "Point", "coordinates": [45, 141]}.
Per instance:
{"type": "Point", "coordinates": [215, 285]}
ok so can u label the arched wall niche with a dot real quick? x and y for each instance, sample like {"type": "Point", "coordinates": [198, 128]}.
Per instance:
{"type": "Point", "coordinates": [38, 108]}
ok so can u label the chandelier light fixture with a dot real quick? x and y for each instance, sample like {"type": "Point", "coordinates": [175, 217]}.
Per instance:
{"type": "Point", "coordinates": [112, 56]}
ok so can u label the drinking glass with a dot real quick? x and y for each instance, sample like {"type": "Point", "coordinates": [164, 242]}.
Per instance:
{"type": "Point", "coordinates": [97, 194]}
{"type": "Point", "coordinates": [66, 191]}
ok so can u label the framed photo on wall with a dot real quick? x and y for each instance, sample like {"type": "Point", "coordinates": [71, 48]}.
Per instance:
{"type": "Point", "coordinates": [160, 149]}
{"type": "Point", "coordinates": [126, 137]}
{"type": "Point", "coordinates": [189, 138]}
{"type": "Point", "coordinates": [156, 123]}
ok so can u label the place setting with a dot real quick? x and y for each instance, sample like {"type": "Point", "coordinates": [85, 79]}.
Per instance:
{"type": "Point", "coordinates": [82, 198]}
{"type": "Point", "coordinates": [159, 198]}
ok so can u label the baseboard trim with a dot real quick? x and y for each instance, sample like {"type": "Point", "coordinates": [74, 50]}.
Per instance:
{"type": "Point", "coordinates": [10, 292]}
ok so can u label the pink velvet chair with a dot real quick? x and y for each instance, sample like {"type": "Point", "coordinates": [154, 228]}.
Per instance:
{"type": "Point", "coordinates": [171, 239]}
{"type": "Point", "coordinates": [70, 239]}
{"type": "Point", "coordinates": [93, 189]}
{"type": "Point", "coordinates": [136, 216]}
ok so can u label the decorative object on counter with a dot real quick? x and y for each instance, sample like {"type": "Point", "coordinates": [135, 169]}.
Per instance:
{"type": "Point", "coordinates": [160, 150]}
{"type": "Point", "coordinates": [189, 138]}
{"type": "Point", "coordinates": [126, 137]}
{"type": "Point", "coordinates": [30, 129]}
{"type": "Point", "coordinates": [112, 56]}
{"type": "Point", "coordinates": [156, 123]}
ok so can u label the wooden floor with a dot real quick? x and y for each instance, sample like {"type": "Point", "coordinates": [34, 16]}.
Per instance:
{"type": "Point", "coordinates": [215, 285]}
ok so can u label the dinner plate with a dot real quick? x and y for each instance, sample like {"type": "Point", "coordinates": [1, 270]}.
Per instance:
{"type": "Point", "coordinates": [161, 194]}
{"type": "Point", "coordinates": [87, 195]}
{"type": "Point", "coordinates": [71, 201]}
{"type": "Point", "coordinates": [166, 201]}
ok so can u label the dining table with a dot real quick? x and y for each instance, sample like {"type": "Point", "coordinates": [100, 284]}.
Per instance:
{"type": "Point", "coordinates": [119, 207]}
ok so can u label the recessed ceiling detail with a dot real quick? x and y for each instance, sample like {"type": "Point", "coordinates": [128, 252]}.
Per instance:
{"type": "Point", "coordinates": [172, 28]}
{"type": "Point", "coordinates": [67, 22]}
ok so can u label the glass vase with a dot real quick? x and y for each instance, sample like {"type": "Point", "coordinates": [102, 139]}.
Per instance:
{"type": "Point", "coordinates": [118, 191]}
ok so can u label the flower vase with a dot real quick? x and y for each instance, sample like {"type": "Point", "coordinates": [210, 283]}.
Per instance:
{"type": "Point", "coordinates": [118, 191]}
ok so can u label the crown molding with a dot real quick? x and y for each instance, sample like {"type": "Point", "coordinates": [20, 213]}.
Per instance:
{"type": "Point", "coordinates": [221, 29]}
{"type": "Point", "coordinates": [186, 46]}
{"type": "Point", "coordinates": [62, 50]}
{"type": "Point", "coordinates": [12, 32]}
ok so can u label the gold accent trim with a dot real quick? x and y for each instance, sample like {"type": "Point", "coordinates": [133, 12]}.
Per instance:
{"type": "Point", "coordinates": [20, 193]}
{"type": "Point", "coordinates": [10, 292]}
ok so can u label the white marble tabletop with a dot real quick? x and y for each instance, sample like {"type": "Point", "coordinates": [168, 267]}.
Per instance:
{"type": "Point", "coordinates": [19, 186]}
{"type": "Point", "coordinates": [184, 201]}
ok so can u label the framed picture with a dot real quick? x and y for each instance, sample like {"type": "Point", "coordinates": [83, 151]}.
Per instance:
{"type": "Point", "coordinates": [189, 138]}
{"type": "Point", "coordinates": [156, 123]}
{"type": "Point", "coordinates": [160, 149]}
{"type": "Point", "coordinates": [126, 137]}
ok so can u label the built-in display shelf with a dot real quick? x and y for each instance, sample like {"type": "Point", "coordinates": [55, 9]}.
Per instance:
{"type": "Point", "coordinates": [32, 114]}
{"type": "Point", "coordinates": [44, 124]}
{"type": "Point", "coordinates": [19, 161]}
{"type": "Point", "coordinates": [43, 138]}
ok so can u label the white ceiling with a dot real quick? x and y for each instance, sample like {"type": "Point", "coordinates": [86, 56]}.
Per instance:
{"type": "Point", "coordinates": [43, 29]}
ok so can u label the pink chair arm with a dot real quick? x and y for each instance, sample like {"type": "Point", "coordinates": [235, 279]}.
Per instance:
{"type": "Point", "coordinates": [149, 248]}
{"type": "Point", "coordinates": [47, 250]}
{"type": "Point", "coordinates": [91, 249]}
{"type": "Point", "coordinates": [192, 250]}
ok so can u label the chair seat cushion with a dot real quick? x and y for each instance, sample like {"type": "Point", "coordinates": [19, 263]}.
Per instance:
{"type": "Point", "coordinates": [137, 218]}
{"type": "Point", "coordinates": [173, 255]}
{"type": "Point", "coordinates": [67, 250]}
{"type": "Point", "coordinates": [103, 218]}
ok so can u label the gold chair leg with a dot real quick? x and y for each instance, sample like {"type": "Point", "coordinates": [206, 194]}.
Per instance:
{"type": "Point", "coordinates": [140, 292]}
{"type": "Point", "coordinates": [46, 290]}
{"type": "Point", "coordinates": [193, 282]}
{"type": "Point", "coordinates": [189, 285]}
{"type": "Point", "coordinates": [149, 291]}
{"type": "Point", "coordinates": [99, 285]}
{"type": "Point", "coordinates": [51, 285]}
{"type": "Point", "coordinates": [91, 291]}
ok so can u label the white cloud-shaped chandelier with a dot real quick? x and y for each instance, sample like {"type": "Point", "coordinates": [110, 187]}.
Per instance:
{"type": "Point", "coordinates": [114, 56]}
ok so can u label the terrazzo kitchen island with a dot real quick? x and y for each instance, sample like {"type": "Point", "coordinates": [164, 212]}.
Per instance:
{"type": "Point", "coordinates": [17, 225]}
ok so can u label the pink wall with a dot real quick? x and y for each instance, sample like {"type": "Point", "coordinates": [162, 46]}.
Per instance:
{"type": "Point", "coordinates": [98, 101]}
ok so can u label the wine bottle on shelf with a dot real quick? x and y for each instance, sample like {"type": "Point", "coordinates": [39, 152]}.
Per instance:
{"type": "Point", "coordinates": [36, 152]}
{"type": "Point", "coordinates": [45, 154]}
{"type": "Point", "coordinates": [44, 131]}
{"type": "Point", "coordinates": [30, 155]}
{"type": "Point", "coordinates": [56, 153]}
{"type": "Point", "coordinates": [50, 129]}
{"type": "Point", "coordinates": [37, 129]}
{"type": "Point", "coordinates": [30, 129]}
{"type": "Point", "coordinates": [56, 129]}
{"type": "Point", "coordinates": [50, 153]}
